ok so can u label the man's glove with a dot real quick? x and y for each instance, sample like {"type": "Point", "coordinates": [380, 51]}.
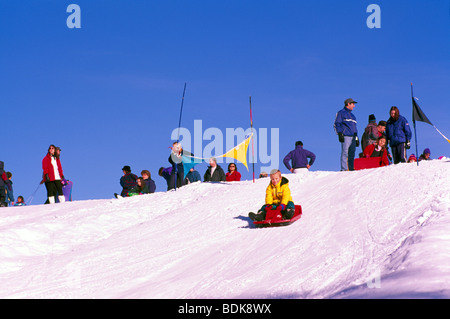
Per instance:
{"type": "Point", "coordinates": [357, 141]}
{"type": "Point", "coordinates": [408, 145]}
{"type": "Point", "coordinates": [341, 137]}
{"type": "Point", "coordinates": [47, 179]}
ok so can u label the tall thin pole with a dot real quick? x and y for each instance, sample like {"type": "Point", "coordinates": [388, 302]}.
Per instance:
{"type": "Point", "coordinates": [181, 112]}
{"type": "Point", "coordinates": [178, 137]}
{"type": "Point", "coordinates": [414, 124]}
{"type": "Point", "coordinates": [253, 150]}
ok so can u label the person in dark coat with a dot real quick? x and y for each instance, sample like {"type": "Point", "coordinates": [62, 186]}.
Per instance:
{"type": "Point", "coordinates": [398, 134]}
{"type": "Point", "coordinates": [128, 181]}
{"type": "Point", "coordinates": [299, 158]}
{"type": "Point", "coordinates": [425, 155]}
{"type": "Point", "coordinates": [149, 181]}
{"type": "Point", "coordinates": [4, 184]}
{"type": "Point", "coordinates": [141, 188]}
{"type": "Point", "coordinates": [193, 176]}
{"type": "Point", "coordinates": [177, 174]}
{"type": "Point", "coordinates": [214, 173]}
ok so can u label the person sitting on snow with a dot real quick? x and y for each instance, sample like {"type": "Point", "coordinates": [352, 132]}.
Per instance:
{"type": "Point", "coordinates": [127, 181]}
{"type": "Point", "coordinates": [425, 155]}
{"type": "Point", "coordinates": [278, 194]}
{"type": "Point", "coordinates": [378, 149]}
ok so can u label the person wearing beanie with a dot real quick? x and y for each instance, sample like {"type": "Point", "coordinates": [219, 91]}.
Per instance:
{"type": "Point", "coordinates": [412, 158]}
{"type": "Point", "coordinates": [425, 155]}
{"type": "Point", "coordinates": [371, 133]}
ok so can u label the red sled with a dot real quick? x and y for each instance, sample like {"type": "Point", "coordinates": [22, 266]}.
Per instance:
{"type": "Point", "coordinates": [367, 162]}
{"type": "Point", "coordinates": [274, 218]}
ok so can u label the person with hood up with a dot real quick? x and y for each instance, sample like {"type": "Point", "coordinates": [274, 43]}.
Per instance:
{"type": "Point", "coordinates": [278, 194]}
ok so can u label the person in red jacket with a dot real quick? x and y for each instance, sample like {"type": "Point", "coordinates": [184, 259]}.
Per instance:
{"type": "Point", "coordinates": [53, 175]}
{"type": "Point", "coordinates": [378, 149]}
{"type": "Point", "coordinates": [233, 175]}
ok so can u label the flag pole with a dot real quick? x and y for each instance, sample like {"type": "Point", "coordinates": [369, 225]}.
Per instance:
{"type": "Point", "coordinates": [178, 137]}
{"type": "Point", "coordinates": [414, 124]}
{"type": "Point", "coordinates": [253, 152]}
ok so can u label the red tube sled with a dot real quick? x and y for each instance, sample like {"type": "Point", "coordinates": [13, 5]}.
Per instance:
{"type": "Point", "coordinates": [366, 162]}
{"type": "Point", "coordinates": [274, 218]}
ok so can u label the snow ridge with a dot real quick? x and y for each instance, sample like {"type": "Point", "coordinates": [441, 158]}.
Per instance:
{"type": "Point", "coordinates": [378, 233]}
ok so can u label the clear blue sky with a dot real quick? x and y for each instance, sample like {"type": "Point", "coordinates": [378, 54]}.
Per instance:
{"type": "Point", "coordinates": [109, 93]}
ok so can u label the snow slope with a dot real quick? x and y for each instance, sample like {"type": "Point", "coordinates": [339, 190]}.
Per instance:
{"type": "Point", "coordinates": [378, 233]}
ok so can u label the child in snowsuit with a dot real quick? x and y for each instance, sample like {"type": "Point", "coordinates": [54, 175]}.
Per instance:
{"type": "Point", "coordinates": [278, 194]}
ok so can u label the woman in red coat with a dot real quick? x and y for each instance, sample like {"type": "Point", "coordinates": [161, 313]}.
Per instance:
{"type": "Point", "coordinates": [53, 174]}
{"type": "Point", "coordinates": [378, 149]}
{"type": "Point", "coordinates": [233, 175]}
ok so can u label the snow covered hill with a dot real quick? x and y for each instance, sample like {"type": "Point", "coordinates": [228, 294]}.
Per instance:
{"type": "Point", "coordinates": [379, 233]}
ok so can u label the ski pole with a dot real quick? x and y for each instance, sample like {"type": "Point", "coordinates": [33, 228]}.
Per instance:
{"type": "Point", "coordinates": [253, 151]}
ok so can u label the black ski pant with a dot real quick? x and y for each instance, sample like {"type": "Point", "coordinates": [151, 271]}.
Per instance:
{"type": "Point", "coordinates": [54, 188]}
{"type": "Point", "coordinates": [399, 153]}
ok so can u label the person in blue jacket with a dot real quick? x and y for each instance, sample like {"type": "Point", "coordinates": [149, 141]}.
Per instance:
{"type": "Point", "coordinates": [299, 158]}
{"type": "Point", "coordinates": [148, 180]}
{"type": "Point", "coordinates": [398, 134]}
{"type": "Point", "coordinates": [193, 176]}
{"type": "Point", "coordinates": [346, 129]}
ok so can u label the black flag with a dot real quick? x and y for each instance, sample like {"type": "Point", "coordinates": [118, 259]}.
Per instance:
{"type": "Point", "coordinates": [417, 114]}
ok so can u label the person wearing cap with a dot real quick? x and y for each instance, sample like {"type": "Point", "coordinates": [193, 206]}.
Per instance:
{"type": "Point", "coordinates": [398, 134]}
{"type": "Point", "coordinates": [299, 158]}
{"type": "Point", "coordinates": [346, 129]}
{"type": "Point", "coordinates": [425, 155]}
{"type": "Point", "coordinates": [128, 181]}
{"type": "Point", "coordinates": [278, 194]}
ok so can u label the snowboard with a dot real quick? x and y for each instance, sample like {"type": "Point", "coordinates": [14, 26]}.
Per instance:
{"type": "Point", "coordinates": [274, 218]}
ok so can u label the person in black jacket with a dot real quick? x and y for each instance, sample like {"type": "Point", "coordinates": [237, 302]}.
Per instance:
{"type": "Point", "coordinates": [214, 173]}
{"type": "Point", "coordinates": [176, 160]}
{"type": "Point", "coordinates": [128, 181]}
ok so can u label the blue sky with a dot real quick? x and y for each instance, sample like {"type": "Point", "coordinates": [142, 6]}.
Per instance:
{"type": "Point", "coordinates": [109, 93]}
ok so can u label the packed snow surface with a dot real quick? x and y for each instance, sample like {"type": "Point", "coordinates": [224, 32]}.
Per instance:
{"type": "Point", "coordinates": [376, 233]}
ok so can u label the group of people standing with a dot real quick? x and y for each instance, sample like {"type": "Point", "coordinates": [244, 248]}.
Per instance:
{"type": "Point", "coordinates": [175, 177]}
{"type": "Point", "coordinates": [6, 189]}
{"type": "Point", "coordinates": [394, 132]}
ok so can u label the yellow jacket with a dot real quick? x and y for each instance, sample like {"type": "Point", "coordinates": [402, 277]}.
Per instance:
{"type": "Point", "coordinates": [278, 194]}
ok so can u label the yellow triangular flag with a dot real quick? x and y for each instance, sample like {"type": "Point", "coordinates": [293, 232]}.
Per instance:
{"type": "Point", "coordinates": [239, 152]}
